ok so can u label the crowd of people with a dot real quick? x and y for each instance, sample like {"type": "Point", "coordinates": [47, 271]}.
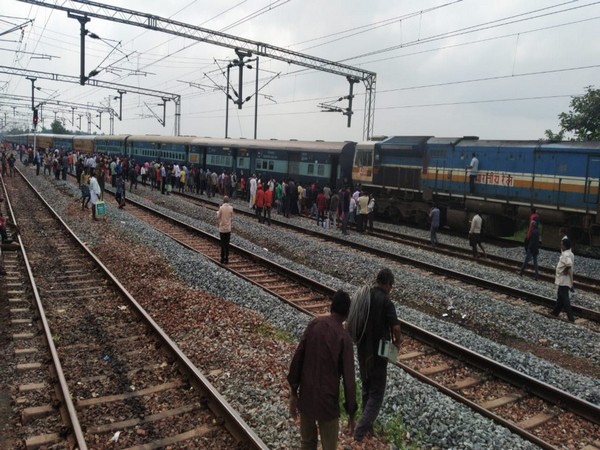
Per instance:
{"type": "Point", "coordinates": [330, 208]}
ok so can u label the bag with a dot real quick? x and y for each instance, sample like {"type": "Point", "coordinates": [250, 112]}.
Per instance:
{"type": "Point", "coordinates": [100, 209]}
{"type": "Point", "coordinates": [326, 224]}
{"type": "Point", "coordinates": [387, 349]}
{"type": "Point", "coordinates": [359, 313]}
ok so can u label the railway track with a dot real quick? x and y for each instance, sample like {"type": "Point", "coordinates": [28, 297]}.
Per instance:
{"type": "Point", "coordinates": [528, 407]}
{"type": "Point", "coordinates": [116, 378]}
{"type": "Point", "coordinates": [542, 304]}
{"type": "Point", "coordinates": [582, 283]}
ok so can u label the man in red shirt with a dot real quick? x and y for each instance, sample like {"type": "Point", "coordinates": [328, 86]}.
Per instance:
{"type": "Point", "coordinates": [268, 205]}
{"type": "Point", "coordinates": [324, 354]}
{"type": "Point", "coordinates": [321, 207]}
{"type": "Point", "coordinates": [259, 202]}
{"type": "Point", "coordinates": [534, 217]}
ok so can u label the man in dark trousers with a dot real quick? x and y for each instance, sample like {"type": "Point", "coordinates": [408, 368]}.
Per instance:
{"type": "Point", "coordinates": [225, 217]}
{"type": "Point", "coordinates": [345, 208]}
{"type": "Point", "coordinates": [325, 354]}
{"type": "Point", "coordinates": [434, 217]}
{"type": "Point", "coordinates": [532, 249]}
{"type": "Point", "coordinates": [473, 167]}
{"type": "Point", "coordinates": [370, 323]}
{"type": "Point", "coordinates": [564, 280]}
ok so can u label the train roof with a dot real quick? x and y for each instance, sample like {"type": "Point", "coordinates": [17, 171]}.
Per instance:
{"type": "Point", "coordinates": [572, 145]}
{"type": "Point", "coordinates": [161, 139]}
{"type": "Point", "coordinates": [64, 137]}
{"type": "Point", "coordinates": [404, 140]}
{"type": "Point", "coordinates": [81, 137]}
{"type": "Point", "coordinates": [444, 140]}
{"type": "Point", "coordinates": [268, 144]}
{"type": "Point", "coordinates": [366, 144]}
{"type": "Point", "coordinates": [497, 143]}
{"type": "Point", "coordinates": [112, 137]}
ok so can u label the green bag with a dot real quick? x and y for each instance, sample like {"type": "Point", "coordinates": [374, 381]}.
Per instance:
{"type": "Point", "coordinates": [100, 209]}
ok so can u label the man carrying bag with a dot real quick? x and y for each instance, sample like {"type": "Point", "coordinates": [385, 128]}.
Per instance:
{"type": "Point", "coordinates": [373, 324]}
{"type": "Point", "coordinates": [95, 192]}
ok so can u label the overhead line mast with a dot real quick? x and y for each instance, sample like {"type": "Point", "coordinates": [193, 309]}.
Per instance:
{"type": "Point", "coordinates": [157, 23]}
{"type": "Point", "coordinates": [121, 89]}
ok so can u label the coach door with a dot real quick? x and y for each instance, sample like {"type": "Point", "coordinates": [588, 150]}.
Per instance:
{"type": "Point", "coordinates": [592, 181]}
{"type": "Point", "coordinates": [294, 165]}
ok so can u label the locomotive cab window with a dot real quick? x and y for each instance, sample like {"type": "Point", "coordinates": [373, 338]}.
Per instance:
{"type": "Point", "coordinates": [364, 158]}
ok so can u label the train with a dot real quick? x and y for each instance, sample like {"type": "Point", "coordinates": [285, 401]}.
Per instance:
{"type": "Point", "coordinates": [327, 163]}
{"type": "Point", "coordinates": [405, 173]}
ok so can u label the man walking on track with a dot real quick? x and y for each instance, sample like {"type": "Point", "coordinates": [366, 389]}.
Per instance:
{"type": "Point", "coordinates": [564, 280]}
{"type": "Point", "coordinates": [324, 354]}
{"type": "Point", "coordinates": [225, 217]}
{"type": "Point", "coordinates": [373, 319]}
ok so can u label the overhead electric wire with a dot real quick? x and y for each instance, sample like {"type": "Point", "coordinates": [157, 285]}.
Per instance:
{"type": "Point", "coordinates": [475, 102]}
{"type": "Point", "coordinates": [497, 77]}
{"type": "Point", "coordinates": [375, 25]}
{"type": "Point", "coordinates": [478, 41]}
{"type": "Point", "coordinates": [425, 105]}
{"type": "Point", "coordinates": [472, 80]}
{"type": "Point", "coordinates": [260, 12]}
{"type": "Point", "coordinates": [467, 30]}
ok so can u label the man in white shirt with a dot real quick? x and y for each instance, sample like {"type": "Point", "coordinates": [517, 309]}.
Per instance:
{"type": "Point", "coordinates": [225, 218]}
{"type": "Point", "coordinates": [176, 176]}
{"type": "Point", "coordinates": [564, 280]}
{"type": "Point", "coordinates": [475, 234]}
{"type": "Point", "coordinates": [253, 188]}
{"type": "Point", "coordinates": [473, 168]}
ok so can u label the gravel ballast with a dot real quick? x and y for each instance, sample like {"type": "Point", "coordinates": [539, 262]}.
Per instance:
{"type": "Point", "coordinates": [441, 421]}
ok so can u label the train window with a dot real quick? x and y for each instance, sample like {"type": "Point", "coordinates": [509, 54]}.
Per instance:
{"type": "Point", "coordinates": [218, 160]}
{"type": "Point", "coordinates": [311, 169]}
{"type": "Point", "coordinates": [263, 164]}
{"type": "Point", "coordinates": [321, 170]}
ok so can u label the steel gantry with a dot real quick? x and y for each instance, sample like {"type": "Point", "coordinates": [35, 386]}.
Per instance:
{"type": "Point", "coordinates": [121, 89]}
{"type": "Point", "coordinates": [161, 24]}
{"type": "Point", "coordinates": [63, 104]}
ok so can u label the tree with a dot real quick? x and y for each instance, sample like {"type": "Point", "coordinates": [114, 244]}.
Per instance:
{"type": "Point", "coordinates": [58, 128]}
{"type": "Point", "coordinates": [554, 137]}
{"type": "Point", "coordinates": [583, 120]}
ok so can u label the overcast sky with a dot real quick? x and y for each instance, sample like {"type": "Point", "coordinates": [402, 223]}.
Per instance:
{"type": "Point", "coordinates": [497, 69]}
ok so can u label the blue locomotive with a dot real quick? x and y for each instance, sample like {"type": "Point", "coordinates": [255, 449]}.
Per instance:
{"type": "Point", "coordinates": [559, 179]}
